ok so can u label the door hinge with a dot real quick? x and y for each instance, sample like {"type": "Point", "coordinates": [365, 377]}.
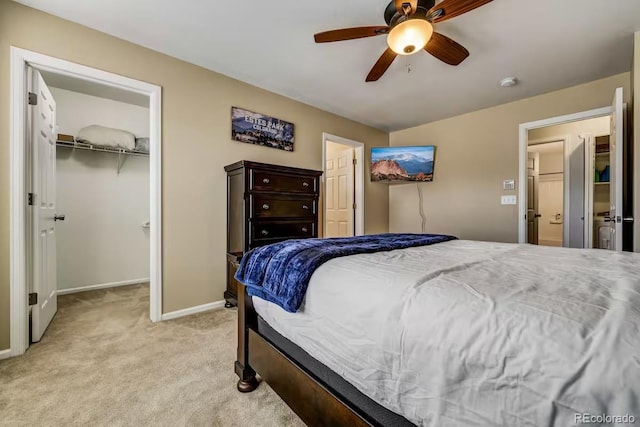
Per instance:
{"type": "Point", "coordinates": [354, 206]}
{"type": "Point", "coordinates": [30, 199]}
{"type": "Point", "coordinates": [33, 298]}
{"type": "Point", "coordinates": [355, 161]}
{"type": "Point", "coordinates": [33, 98]}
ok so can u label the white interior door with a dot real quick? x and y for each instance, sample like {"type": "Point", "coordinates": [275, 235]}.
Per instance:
{"type": "Point", "coordinates": [589, 174]}
{"type": "Point", "coordinates": [533, 171]}
{"type": "Point", "coordinates": [615, 170]}
{"type": "Point", "coordinates": [339, 195]}
{"type": "Point", "coordinates": [43, 213]}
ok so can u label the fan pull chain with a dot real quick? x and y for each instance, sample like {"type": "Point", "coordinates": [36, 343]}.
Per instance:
{"type": "Point", "coordinates": [408, 65]}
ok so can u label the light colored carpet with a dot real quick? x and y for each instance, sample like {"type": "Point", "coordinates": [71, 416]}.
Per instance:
{"type": "Point", "coordinates": [102, 362]}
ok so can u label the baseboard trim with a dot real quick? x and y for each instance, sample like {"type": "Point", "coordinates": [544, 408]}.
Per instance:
{"type": "Point", "coordinates": [193, 310]}
{"type": "Point", "coordinates": [101, 286]}
{"type": "Point", "coordinates": [5, 354]}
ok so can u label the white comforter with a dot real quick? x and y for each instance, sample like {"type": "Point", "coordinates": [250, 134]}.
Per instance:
{"type": "Point", "coordinates": [480, 334]}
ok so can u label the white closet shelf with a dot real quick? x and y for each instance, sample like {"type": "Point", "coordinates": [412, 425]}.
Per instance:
{"type": "Point", "coordinates": [90, 147]}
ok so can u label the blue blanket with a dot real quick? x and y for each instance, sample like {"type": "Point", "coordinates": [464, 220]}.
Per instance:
{"type": "Point", "coordinates": [280, 272]}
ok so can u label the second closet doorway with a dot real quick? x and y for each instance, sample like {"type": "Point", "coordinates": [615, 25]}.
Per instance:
{"type": "Point", "coordinates": [343, 201]}
{"type": "Point", "coordinates": [568, 184]}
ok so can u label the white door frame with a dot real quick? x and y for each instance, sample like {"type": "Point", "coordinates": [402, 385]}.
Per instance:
{"type": "Point", "coordinates": [19, 313]}
{"type": "Point", "coordinates": [565, 139]}
{"type": "Point", "coordinates": [522, 164]}
{"type": "Point", "coordinates": [359, 179]}
{"type": "Point", "coordinates": [589, 177]}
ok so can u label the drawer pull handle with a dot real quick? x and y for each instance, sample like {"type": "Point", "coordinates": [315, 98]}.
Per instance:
{"type": "Point", "coordinates": [265, 180]}
{"type": "Point", "coordinates": [266, 207]}
{"type": "Point", "coordinates": [265, 232]}
{"type": "Point", "coordinates": [304, 229]}
{"type": "Point", "coordinates": [305, 184]}
{"type": "Point", "coordinates": [305, 207]}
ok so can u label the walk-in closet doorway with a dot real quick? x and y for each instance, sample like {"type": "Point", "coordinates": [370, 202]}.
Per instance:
{"type": "Point", "coordinates": [85, 197]}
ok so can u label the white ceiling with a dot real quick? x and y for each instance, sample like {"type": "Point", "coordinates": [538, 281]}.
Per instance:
{"type": "Point", "coordinates": [94, 89]}
{"type": "Point", "coordinates": [547, 44]}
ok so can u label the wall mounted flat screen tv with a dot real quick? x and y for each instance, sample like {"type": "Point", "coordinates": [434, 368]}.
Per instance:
{"type": "Point", "coordinates": [402, 164]}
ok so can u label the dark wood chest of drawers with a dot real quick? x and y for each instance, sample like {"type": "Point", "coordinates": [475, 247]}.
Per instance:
{"type": "Point", "coordinates": [267, 204]}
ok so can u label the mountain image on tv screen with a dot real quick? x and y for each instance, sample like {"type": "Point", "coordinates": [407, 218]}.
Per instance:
{"type": "Point", "coordinates": [390, 164]}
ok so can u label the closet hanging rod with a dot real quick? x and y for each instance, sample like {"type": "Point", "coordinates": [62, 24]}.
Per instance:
{"type": "Point", "coordinates": [89, 147]}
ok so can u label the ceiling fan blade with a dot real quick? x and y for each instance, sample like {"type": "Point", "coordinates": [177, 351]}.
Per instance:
{"type": "Point", "coordinates": [350, 34]}
{"type": "Point", "coordinates": [400, 6]}
{"type": "Point", "coordinates": [446, 50]}
{"type": "Point", "coordinates": [448, 9]}
{"type": "Point", "coordinates": [382, 65]}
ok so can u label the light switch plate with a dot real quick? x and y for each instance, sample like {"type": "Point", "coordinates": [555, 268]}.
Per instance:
{"type": "Point", "coordinates": [509, 184]}
{"type": "Point", "coordinates": [509, 200]}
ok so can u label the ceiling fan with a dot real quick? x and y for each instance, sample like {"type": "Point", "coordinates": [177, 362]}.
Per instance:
{"type": "Point", "coordinates": [409, 29]}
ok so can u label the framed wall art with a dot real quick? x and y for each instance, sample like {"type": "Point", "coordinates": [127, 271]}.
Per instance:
{"type": "Point", "coordinates": [259, 129]}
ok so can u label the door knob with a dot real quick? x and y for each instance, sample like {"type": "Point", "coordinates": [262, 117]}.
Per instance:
{"type": "Point", "coordinates": [57, 217]}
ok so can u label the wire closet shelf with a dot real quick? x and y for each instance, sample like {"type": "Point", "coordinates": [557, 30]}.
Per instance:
{"type": "Point", "coordinates": [90, 147]}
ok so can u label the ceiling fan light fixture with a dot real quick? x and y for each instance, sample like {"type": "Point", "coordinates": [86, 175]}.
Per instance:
{"type": "Point", "coordinates": [410, 36]}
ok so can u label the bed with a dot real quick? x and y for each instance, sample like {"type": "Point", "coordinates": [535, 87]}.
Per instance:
{"type": "Point", "coordinates": [453, 333]}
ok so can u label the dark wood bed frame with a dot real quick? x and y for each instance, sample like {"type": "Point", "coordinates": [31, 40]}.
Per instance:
{"type": "Point", "coordinates": [314, 402]}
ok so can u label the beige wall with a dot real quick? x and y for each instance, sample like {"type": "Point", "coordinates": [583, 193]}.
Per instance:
{"type": "Point", "coordinates": [475, 153]}
{"type": "Point", "coordinates": [333, 148]}
{"type": "Point", "coordinates": [196, 146]}
{"type": "Point", "coordinates": [597, 127]}
{"type": "Point", "coordinates": [636, 136]}
{"type": "Point", "coordinates": [551, 157]}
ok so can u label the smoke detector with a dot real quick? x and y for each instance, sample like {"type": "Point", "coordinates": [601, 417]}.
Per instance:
{"type": "Point", "coordinates": [509, 81]}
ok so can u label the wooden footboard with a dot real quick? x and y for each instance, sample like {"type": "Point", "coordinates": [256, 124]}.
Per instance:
{"type": "Point", "coordinates": [314, 403]}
